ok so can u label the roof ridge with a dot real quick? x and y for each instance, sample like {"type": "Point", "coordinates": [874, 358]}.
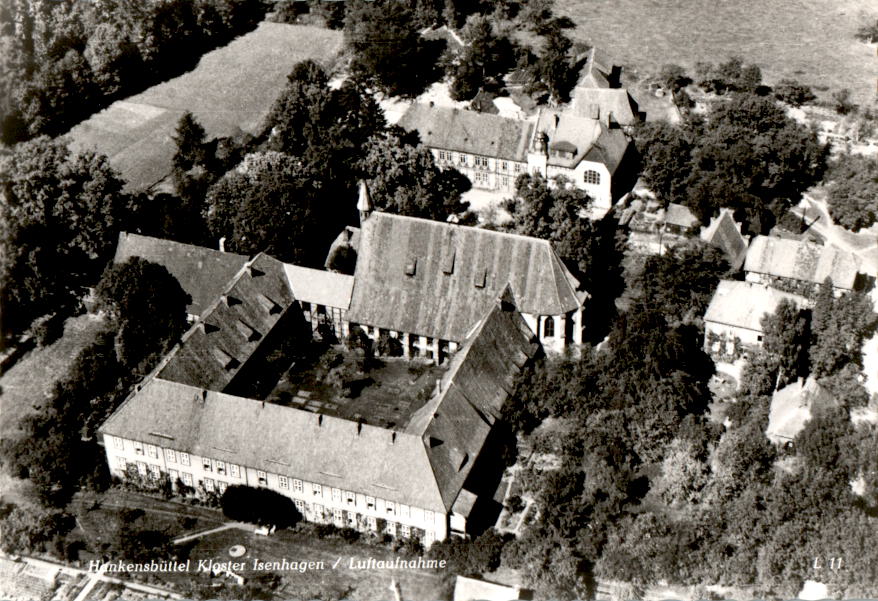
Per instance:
{"type": "Point", "coordinates": [470, 227]}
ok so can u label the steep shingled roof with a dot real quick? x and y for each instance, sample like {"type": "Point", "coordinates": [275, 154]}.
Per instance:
{"type": "Point", "coordinates": [592, 140]}
{"type": "Point", "coordinates": [725, 234]}
{"type": "Point", "coordinates": [281, 440]}
{"type": "Point", "coordinates": [435, 279]}
{"type": "Point", "coordinates": [610, 103]}
{"type": "Point", "coordinates": [744, 304]}
{"type": "Point", "coordinates": [202, 272]}
{"type": "Point", "coordinates": [455, 423]}
{"type": "Point", "coordinates": [230, 330]}
{"type": "Point", "coordinates": [800, 260]}
{"type": "Point", "coordinates": [468, 131]}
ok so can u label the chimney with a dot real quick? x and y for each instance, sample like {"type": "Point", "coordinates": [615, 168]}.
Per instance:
{"type": "Point", "coordinates": [393, 438]}
{"type": "Point", "coordinates": [222, 244]}
{"type": "Point", "coordinates": [319, 420]}
{"type": "Point", "coordinates": [359, 427]}
{"type": "Point", "coordinates": [203, 396]}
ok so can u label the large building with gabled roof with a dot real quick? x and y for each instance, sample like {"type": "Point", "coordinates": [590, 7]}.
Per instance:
{"type": "Point", "coordinates": [427, 283]}
{"type": "Point", "coordinates": [425, 479]}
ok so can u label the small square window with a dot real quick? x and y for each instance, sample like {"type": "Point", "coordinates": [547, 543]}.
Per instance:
{"type": "Point", "coordinates": [370, 502]}
{"type": "Point", "coordinates": [208, 484]}
{"type": "Point", "coordinates": [170, 456]}
{"type": "Point", "coordinates": [318, 490]}
{"type": "Point", "coordinates": [220, 467]}
{"type": "Point", "coordinates": [234, 471]}
{"type": "Point", "coordinates": [283, 482]}
{"type": "Point", "coordinates": [206, 464]}
{"type": "Point", "coordinates": [118, 443]}
{"type": "Point", "coordinates": [297, 486]}
{"type": "Point", "coordinates": [153, 452]}
{"type": "Point", "coordinates": [154, 472]}
{"type": "Point", "coordinates": [262, 477]}
{"type": "Point", "coordinates": [336, 494]}
{"type": "Point", "coordinates": [184, 458]}
{"type": "Point", "coordinates": [187, 478]}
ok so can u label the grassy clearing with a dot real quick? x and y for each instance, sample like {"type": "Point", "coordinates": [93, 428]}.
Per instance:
{"type": "Point", "coordinates": [230, 91]}
{"type": "Point", "coordinates": [28, 383]}
{"type": "Point", "coordinates": [364, 585]}
{"type": "Point", "coordinates": [809, 40]}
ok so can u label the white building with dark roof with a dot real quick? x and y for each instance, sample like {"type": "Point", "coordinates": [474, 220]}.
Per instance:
{"type": "Point", "coordinates": [492, 151]}
{"type": "Point", "coordinates": [428, 282]}
{"type": "Point", "coordinates": [424, 479]}
{"type": "Point", "coordinates": [801, 266]}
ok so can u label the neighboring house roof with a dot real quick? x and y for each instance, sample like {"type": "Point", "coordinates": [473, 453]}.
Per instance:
{"type": "Point", "coordinates": [725, 234]}
{"type": "Point", "coordinates": [793, 405]}
{"type": "Point", "coordinates": [282, 440]}
{"type": "Point", "coordinates": [680, 216]}
{"type": "Point", "coordinates": [426, 465]}
{"type": "Point", "coordinates": [744, 304]}
{"type": "Point", "coordinates": [202, 272]}
{"type": "Point", "coordinates": [606, 104]}
{"type": "Point", "coordinates": [326, 288]}
{"type": "Point", "coordinates": [469, 131]}
{"type": "Point", "coordinates": [455, 423]}
{"type": "Point", "coordinates": [472, 589]}
{"type": "Point", "coordinates": [230, 330]}
{"type": "Point", "coordinates": [800, 260]}
{"type": "Point", "coordinates": [484, 103]}
{"type": "Point", "coordinates": [598, 71]}
{"type": "Point", "coordinates": [23, 580]}
{"type": "Point", "coordinates": [592, 140]}
{"type": "Point", "coordinates": [436, 279]}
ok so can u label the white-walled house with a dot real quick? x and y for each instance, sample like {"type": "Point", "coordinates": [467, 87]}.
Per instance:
{"type": "Point", "coordinates": [733, 320]}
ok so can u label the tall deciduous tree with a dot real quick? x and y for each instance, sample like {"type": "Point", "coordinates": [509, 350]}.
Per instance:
{"type": "Point", "coordinates": [838, 328]}
{"type": "Point", "coordinates": [785, 340]}
{"type": "Point", "coordinates": [853, 191]}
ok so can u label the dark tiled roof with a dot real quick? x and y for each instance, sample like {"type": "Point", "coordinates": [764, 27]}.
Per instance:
{"type": "Point", "coordinates": [468, 131]}
{"type": "Point", "coordinates": [456, 272]}
{"type": "Point", "coordinates": [230, 330]}
{"type": "Point", "coordinates": [725, 234]}
{"type": "Point", "coordinates": [202, 272]}
{"type": "Point", "coordinates": [455, 423]}
{"type": "Point", "coordinates": [281, 440]}
{"type": "Point", "coordinates": [610, 103]}
{"type": "Point", "coordinates": [591, 139]}
{"type": "Point", "coordinates": [802, 261]}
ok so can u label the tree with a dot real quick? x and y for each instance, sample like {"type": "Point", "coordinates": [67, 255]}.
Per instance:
{"type": "Point", "coordinates": [666, 157]}
{"type": "Point", "coordinates": [839, 326]}
{"type": "Point", "coordinates": [785, 340]}
{"type": "Point", "coordinates": [387, 48]}
{"type": "Point", "coordinates": [485, 58]}
{"type": "Point", "coordinates": [554, 65]}
{"type": "Point", "coordinates": [842, 103]}
{"type": "Point", "coordinates": [673, 77]}
{"type": "Point", "coordinates": [148, 306]}
{"type": "Point", "coordinates": [853, 192]}
{"type": "Point", "coordinates": [403, 178]}
{"type": "Point", "coordinates": [114, 59]}
{"type": "Point", "coordinates": [59, 218]}
{"type": "Point", "coordinates": [793, 93]}
{"type": "Point", "coordinates": [259, 506]}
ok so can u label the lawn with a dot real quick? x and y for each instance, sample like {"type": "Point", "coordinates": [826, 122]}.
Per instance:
{"type": "Point", "coordinates": [342, 581]}
{"type": "Point", "coordinates": [809, 40]}
{"type": "Point", "coordinates": [230, 91]}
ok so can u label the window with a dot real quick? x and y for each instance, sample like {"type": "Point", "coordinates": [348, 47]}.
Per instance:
{"type": "Point", "coordinates": [141, 468]}
{"type": "Point", "coordinates": [406, 530]}
{"type": "Point", "coordinates": [138, 448]}
{"type": "Point", "coordinates": [221, 468]}
{"type": "Point", "coordinates": [208, 484]}
{"type": "Point", "coordinates": [263, 477]}
{"type": "Point", "coordinates": [184, 458]}
{"type": "Point", "coordinates": [391, 509]}
{"type": "Point", "coordinates": [300, 505]}
{"type": "Point", "coordinates": [174, 475]}
{"type": "Point", "coordinates": [429, 537]}
{"type": "Point", "coordinates": [118, 443]}
{"type": "Point", "coordinates": [759, 339]}
{"type": "Point", "coordinates": [373, 523]}
{"type": "Point", "coordinates": [153, 452]}
{"type": "Point", "coordinates": [297, 485]}
{"type": "Point", "coordinates": [442, 155]}
{"type": "Point", "coordinates": [234, 471]}
{"type": "Point", "coordinates": [318, 512]}
{"type": "Point", "coordinates": [548, 327]}
{"type": "Point", "coordinates": [206, 463]}
{"type": "Point", "coordinates": [170, 456]}
{"type": "Point", "coordinates": [370, 502]}
{"type": "Point", "coordinates": [338, 517]}
{"type": "Point", "coordinates": [428, 516]}
{"type": "Point", "coordinates": [221, 486]}
{"type": "Point", "coordinates": [404, 511]}
{"type": "Point", "coordinates": [504, 166]}
{"type": "Point", "coordinates": [187, 478]}
{"type": "Point", "coordinates": [391, 528]}
{"type": "Point", "coordinates": [154, 472]}
{"type": "Point", "coordinates": [336, 495]}
{"type": "Point", "coordinates": [121, 463]}
{"type": "Point", "coordinates": [518, 167]}
{"type": "Point", "coordinates": [283, 482]}
{"type": "Point", "coordinates": [591, 177]}
{"type": "Point", "coordinates": [350, 497]}
{"type": "Point", "coordinates": [318, 490]}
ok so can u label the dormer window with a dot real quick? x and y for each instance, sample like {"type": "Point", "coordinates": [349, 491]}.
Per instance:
{"type": "Point", "coordinates": [448, 263]}
{"type": "Point", "coordinates": [481, 277]}
{"type": "Point", "coordinates": [411, 267]}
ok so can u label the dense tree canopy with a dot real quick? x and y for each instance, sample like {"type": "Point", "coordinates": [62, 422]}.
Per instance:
{"type": "Point", "coordinates": [853, 191]}
{"type": "Point", "coordinates": [60, 215]}
{"type": "Point", "coordinates": [746, 155]}
{"type": "Point", "coordinates": [785, 340]}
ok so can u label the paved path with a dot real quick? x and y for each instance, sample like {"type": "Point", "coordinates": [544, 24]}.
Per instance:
{"type": "Point", "coordinates": [226, 526]}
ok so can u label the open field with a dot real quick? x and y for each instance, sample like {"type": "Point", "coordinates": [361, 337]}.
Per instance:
{"type": "Point", "coordinates": [365, 585]}
{"type": "Point", "coordinates": [809, 40]}
{"type": "Point", "coordinates": [229, 92]}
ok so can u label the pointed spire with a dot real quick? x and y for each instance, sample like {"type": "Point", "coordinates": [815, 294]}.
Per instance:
{"type": "Point", "coordinates": [364, 202]}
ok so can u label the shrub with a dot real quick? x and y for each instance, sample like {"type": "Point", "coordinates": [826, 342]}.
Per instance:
{"type": "Point", "coordinates": [259, 506]}
{"type": "Point", "coordinates": [389, 346]}
{"type": "Point", "coordinates": [47, 329]}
